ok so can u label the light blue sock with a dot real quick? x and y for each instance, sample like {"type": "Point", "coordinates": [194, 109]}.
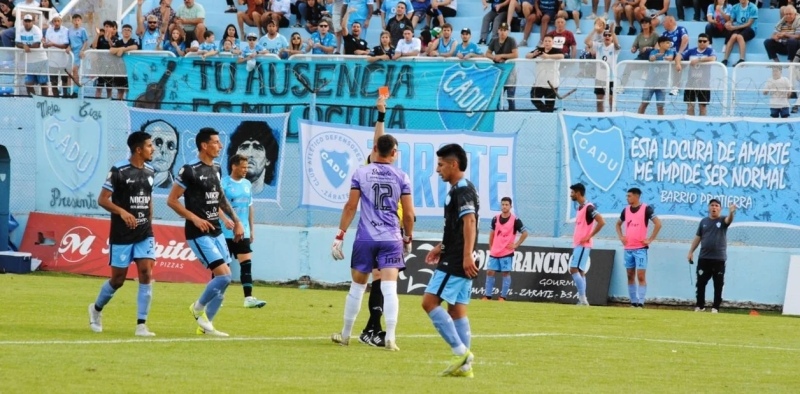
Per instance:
{"type": "Point", "coordinates": [506, 286]}
{"type": "Point", "coordinates": [463, 330]}
{"type": "Point", "coordinates": [444, 324]}
{"type": "Point", "coordinates": [143, 301]}
{"type": "Point", "coordinates": [106, 292]}
{"type": "Point", "coordinates": [215, 288]}
{"type": "Point", "coordinates": [489, 286]}
{"type": "Point", "coordinates": [632, 294]}
{"type": "Point", "coordinates": [213, 307]}
{"type": "Point", "coordinates": [642, 292]}
{"type": "Point", "coordinates": [580, 284]}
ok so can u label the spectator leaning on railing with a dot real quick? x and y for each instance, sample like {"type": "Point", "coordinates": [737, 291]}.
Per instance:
{"type": "Point", "coordinates": [543, 92]}
{"type": "Point", "coordinates": [122, 46]}
{"type": "Point", "coordinates": [467, 49]}
{"type": "Point", "coordinates": [384, 51]}
{"type": "Point", "coordinates": [176, 44]}
{"type": "Point", "coordinates": [698, 84]}
{"type": "Point", "coordinates": [444, 45]}
{"type": "Point", "coordinates": [500, 50]}
{"type": "Point", "coordinates": [409, 46]}
{"type": "Point", "coordinates": [105, 39]}
{"type": "Point", "coordinates": [57, 37]}
{"type": "Point", "coordinates": [29, 39]}
{"type": "Point", "coordinates": [784, 40]}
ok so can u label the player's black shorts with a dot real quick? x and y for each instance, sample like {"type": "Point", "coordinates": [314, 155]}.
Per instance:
{"type": "Point", "coordinates": [237, 248]}
{"type": "Point", "coordinates": [701, 96]}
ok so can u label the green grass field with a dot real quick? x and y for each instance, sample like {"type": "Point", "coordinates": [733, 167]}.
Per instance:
{"type": "Point", "coordinates": [46, 346]}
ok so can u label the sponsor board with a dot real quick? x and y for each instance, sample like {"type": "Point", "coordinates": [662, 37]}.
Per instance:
{"type": "Point", "coordinates": [79, 245]}
{"type": "Point", "coordinates": [540, 274]}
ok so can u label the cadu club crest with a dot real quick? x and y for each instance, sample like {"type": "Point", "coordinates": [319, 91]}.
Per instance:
{"type": "Point", "coordinates": [464, 94]}
{"type": "Point", "coordinates": [600, 153]}
{"type": "Point", "coordinates": [336, 166]}
{"type": "Point", "coordinates": [74, 158]}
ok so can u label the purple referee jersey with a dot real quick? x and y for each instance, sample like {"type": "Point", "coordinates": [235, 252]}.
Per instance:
{"type": "Point", "coordinates": [381, 186]}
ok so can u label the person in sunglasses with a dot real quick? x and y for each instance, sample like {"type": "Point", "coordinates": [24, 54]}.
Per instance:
{"type": "Point", "coordinates": [699, 81]}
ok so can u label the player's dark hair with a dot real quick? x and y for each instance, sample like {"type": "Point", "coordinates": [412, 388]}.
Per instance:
{"type": "Point", "coordinates": [137, 139]}
{"type": "Point", "coordinates": [507, 199]}
{"type": "Point", "coordinates": [635, 190]}
{"type": "Point", "coordinates": [260, 132]}
{"type": "Point", "coordinates": [454, 151]}
{"type": "Point", "coordinates": [234, 160]}
{"type": "Point", "coordinates": [714, 200]}
{"type": "Point", "coordinates": [204, 135]}
{"type": "Point", "coordinates": [385, 144]}
{"type": "Point", "coordinates": [578, 188]}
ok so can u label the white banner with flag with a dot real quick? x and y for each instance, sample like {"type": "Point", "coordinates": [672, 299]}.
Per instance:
{"type": "Point", "coordinates": [331, 153]}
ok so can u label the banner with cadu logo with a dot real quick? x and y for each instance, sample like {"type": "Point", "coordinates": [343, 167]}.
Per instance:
{"type": "Point", "coordinates": [539, 274]}
{"type": "Point", "coordinates": [72, 154]}
{"type": "Point", "coordinates": [680, 163]}
{"type": "Point", "coordinates": [459, 92]}
{"type": "Point", "coordinates": [330, 154]}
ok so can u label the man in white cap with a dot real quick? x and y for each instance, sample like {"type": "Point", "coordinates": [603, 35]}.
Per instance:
{"type": "Point", "coordinates": [249, 52]}
{"type": "Point", "coordinates": [57, 37]}
{"type": "Point", "coordinates": [29, 39]}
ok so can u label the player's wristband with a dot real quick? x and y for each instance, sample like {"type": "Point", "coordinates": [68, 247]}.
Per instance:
{"type": "Point", "coordinates": [340, 235]}
{"type": "Point", "coordinates": [407, 239]}
{"type": "Point", "coordinates": [381, 116]}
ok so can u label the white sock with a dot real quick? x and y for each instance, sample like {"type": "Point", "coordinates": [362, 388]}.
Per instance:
{"type": "Point", "coordinates": [352, 305]}
{"type": "Point", "coordinates": [391, 307]}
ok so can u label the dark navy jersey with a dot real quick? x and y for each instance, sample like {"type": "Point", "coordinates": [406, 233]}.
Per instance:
{"type": "Point", "coordinates": [202, 195]}
{"type": "Point", "coordinates": [461, 200]}
{"type": "Point", "coordinates": [131, 189]}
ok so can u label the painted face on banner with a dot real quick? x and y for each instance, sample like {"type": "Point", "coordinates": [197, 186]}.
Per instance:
{"type": "Point", "coordinates": [256, 157]}
{"type": "Point", "coordinates": [165, 143]}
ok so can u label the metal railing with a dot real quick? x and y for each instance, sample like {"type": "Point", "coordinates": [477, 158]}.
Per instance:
{"type": "Point", "coordinates": [575, 81]}
{"type": "Point", "coordinates": [16, 65]}
{"type": "Point", "coordinates": [756, 87]}
{"type": "Point", "coordinates": [638, 81]}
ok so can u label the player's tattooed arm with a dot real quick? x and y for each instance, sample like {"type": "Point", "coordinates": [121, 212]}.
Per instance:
{"type": "Point", "coordinates": [226, 207]}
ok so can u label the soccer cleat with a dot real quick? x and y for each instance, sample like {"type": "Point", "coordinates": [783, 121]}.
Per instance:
{"type": "Point", "coordinates": [201, 319]}
{"type": "Point", "coordinates": [463, 373]}
{"type": "Point", "coordinates": [337, 338]}
{"type": "Point", "coordinates": [212, 333]}
{"type": "Point", "coordinates": [253, 302]}
{"type": "Point", "coordinates": [142, 331]}
{"type": "Point", "coordinates": [582, 301]}
{"type": "Point", "coordinates": [392, 346]}
{"type": "Point", "coordinates": [699, 309]}
{"type": "Point", "coordinates": [365, 337]}
{"type": "Point", "coordinates": [714, 310]}
{"type": "Point", "coordinates": [378, 339]}
{"type": "Point", "coordinates": [95, 319]}
{"type": "Point", "coordinates": [456, 362]}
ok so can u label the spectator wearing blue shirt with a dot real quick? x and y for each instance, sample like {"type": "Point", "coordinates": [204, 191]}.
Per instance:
{"type": "Point", "coordinates": [322, 42]}
{"type": "Point", "coordinates": [176, 42]}
{"type": "Point", "coordinates": [717, 15]}
{"type": "Point", "coordinates": [467, 49]}
{"type": "Point", "coordinates": [420, 11]}
{"type": "Point", "coordinates": [208, 47]}
{"type": "Point", "coordinates": [79, 41]}
{"type": "Point", "coordinates": [251, 50]}
{"type": "Point", "coordinates": [698, 85]}
{"type": "Point", "coordinates": [658, 75]}
{"type": "Point", "coordinates": [741, 27]}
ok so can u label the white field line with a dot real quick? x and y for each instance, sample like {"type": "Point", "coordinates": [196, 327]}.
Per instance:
{"type": "Point", "coordinates": [421, 336]}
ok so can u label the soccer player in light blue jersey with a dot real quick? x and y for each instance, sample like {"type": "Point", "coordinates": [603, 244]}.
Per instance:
{"type": "Point", "coordinates": [239, 193]}
{"type": "Point", "coordinates": [379, 243]}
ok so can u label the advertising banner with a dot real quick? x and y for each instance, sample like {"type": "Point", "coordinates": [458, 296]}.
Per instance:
{"type": "Point", "coordinates": [79, 245]}
{"type": "Point", "coordinates": [540, 274]}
